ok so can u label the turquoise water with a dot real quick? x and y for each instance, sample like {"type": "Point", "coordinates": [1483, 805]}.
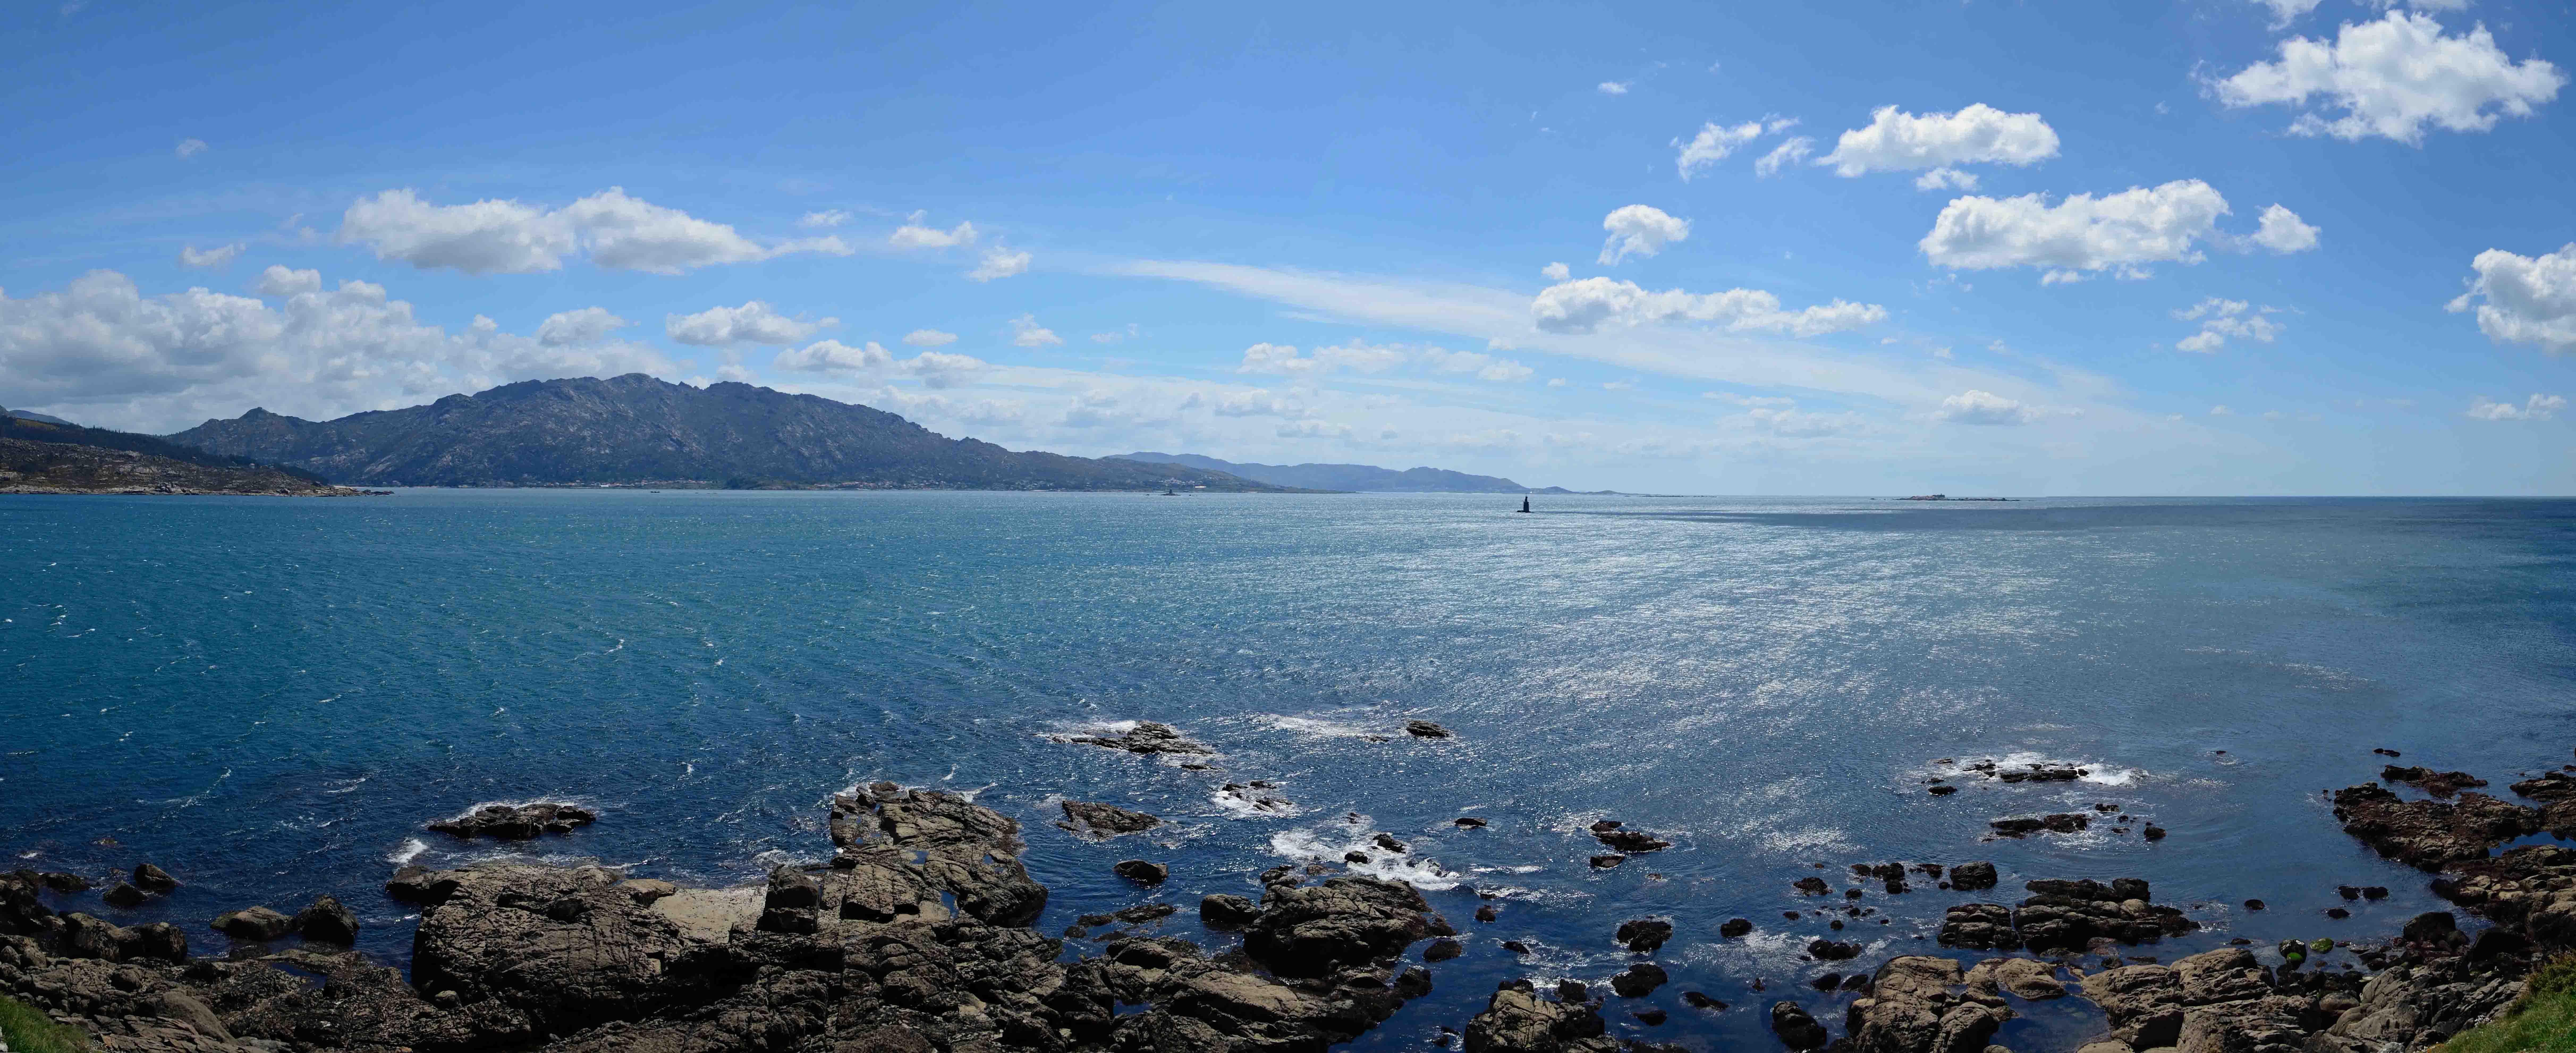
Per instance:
{"type": "Point", "coordinates": [268, 697]}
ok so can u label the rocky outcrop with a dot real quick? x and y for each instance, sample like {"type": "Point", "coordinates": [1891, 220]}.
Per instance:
{"type": "Point", "coordinates": [1615, 834]}
{"type": "Point", "coordinates": [1919, 1005]}
{"type": "Point", "coordinates": [517, 822]}
{"type": "Point", "coordinates": [2064, 916]}
{"type": "Point", "coordinates": [1147, 737]}
{"type": "Point", "coordinates": [1517, 1019]}
{"type": "Point", "coordinates": [1093, 819]}
{"type": "Point", "coordinates": [1315, 930]}
{"type": "Point", "coordinates": [2429, 834]}
{"type": "Point", "coordinates": [2437, 783]}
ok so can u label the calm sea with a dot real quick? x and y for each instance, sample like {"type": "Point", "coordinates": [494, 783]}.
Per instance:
{"type": "Point", "coordinates": [268, 697]}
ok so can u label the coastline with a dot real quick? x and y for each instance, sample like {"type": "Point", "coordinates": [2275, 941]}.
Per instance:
{"type": "Point", "coordinates": [915, 937]}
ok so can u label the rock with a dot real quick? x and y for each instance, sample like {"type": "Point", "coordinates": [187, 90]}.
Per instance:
{"type": "Point", "coordinates": [2153, 833]}
{"type": "Point", "coordinates": [1387, 841]}
{"type": "Point", "coordinates": [1424, 729]}
{"type": "Point", "coordinates": [1442, 950]}
{"type": "Point", "coordinates": [421, 885]}
{"type": "Point", "coordinates": [1979, 926]}
{"type": "Point", "coordinates": [2142, 1002]}
{"type": "Point", "coordinates": [1345, 921]}
{"type": "Point", "coordinates": [1469, 822]}
{"type": "Point", "coordinates": [2023, 978]}
{"type": "Point", "coordinates": [1831, 951]}
{"type": "Point", "coordinates": [1812, 885]}
{"type": "Point", "coordinates": [1732, 928]}
{"type": "Point", "coordinates": [1147, 737]}
{"type": "Point", "coordinates": [1141, 872]}
{"type": "Point", "coordinates": [1696, 1000]}
{"type": "Point", "coordinates": [1606, 862]}
{"type": "Point", "coordinates": [2435, 927]}
{"type": "Point", "coordinates": [2253, 904]}
{"type": "Point", "coordinates": [123, 896]}
{"type": "Point", "coordinates": [159, 941]}
{"type": "Point", "coordinates": [1517, 1020]}
{"type": "Point", "coordinates": [1630, 842]}
{"type": "Point", "coordinates": [517, 822]}
{"type": "Point", "coordinates": [1917, 1004]}
{"type": "Point", "coordinates": [1796, 1029]}
{"type": "Point", "coordinates": [1644, 935]}
{"type": "Point", "coordinates": [1943, 791]}
{"type": "Point", "coordinates": [327, 921]}
{"type": "Point", "coordinates": [1220, 911]}
{"type": "Point", "coordinates": [1516, 947]}
{"type": "Point", "coordinates": [1638, 980]}
{"type": "Point", "coordinates": [648, 891]}
{"type": "Point", "coordinates": [2022, 826]}
{"type": "Point", "coordinates": [2437, 783]}
{"type": "Point", "coordinates": [2428, 834]}
{"type": "Point", "coordinates": [255, 925]}
{"type": "Point", "coordinates": [1486, 912]}
{"type": "Point", "coordinates": [61, 882]}
{"type": "Point", "coordinates": [558, 948]}
{"type": "Point", "coordinates": [1093, 819]}
{"type": "Point", "coordinates": [154, 880]}
{"type": "Point", "coordinates": [1650, 1017]}
{"type": "Point", "coordinates": [1968, 877]}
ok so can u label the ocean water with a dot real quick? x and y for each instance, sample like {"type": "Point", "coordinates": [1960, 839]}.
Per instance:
{"type": "Point", "coordinates": [269, 697]}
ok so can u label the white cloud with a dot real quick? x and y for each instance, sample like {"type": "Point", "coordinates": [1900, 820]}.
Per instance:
{"type": "Point", "coordinates": [1896, 141]}
{"type": "Point", "coordinates": [1640, 230]}
{"type": "Point", "coordinates": [219, 256]}
{"type": "Point", "coordinates": [1585, 306]}
{"type": "Point", "coordinates": [1762, 401]}
{"type": "Point", "coordinates": [188, 148]}
{"type": "Point", "coordinates": [1612, 87]}
{"type": "Point", "coordinates": [1946, 179]}
{"type": "Point", "coordinates": [999, 262]}
{"type": "Point", "coordinates": [2222, 318]}
{"type": "Point", "coordinates": [508, 237]}
{"type": "Point", "coordinates": [1712, 144]}
{"type": "Point", "coordinates": [752, 323]}
{"type": "Point", "coordinates": [1784, 155]}
{"type": "Point", "coordinates": [1484, 366]}
{"type": "Point", "coordinates": [2528, 300]}
{"type": "Point", "coordinates": [929, 338]}
{"type": "Point", "coordinates": [2538, 407]}
{"type": "Point", "coordinates": [833, 356]}
{"type": "Point", "coordinates": [1556, 272]}
{"type": "Point", "coordinates": [1984, 407]}
{"type": "Point", "coordinates": [2393, 78]}
{"type": "Point", "coordinates": [940, 369]}
{"type": "Point", "coordinates": [1797, 424]}
{"type": "Point", "coordinates": [2284, 232]}
{"type": "Point", "coordinates": [2285, 12]}
{"type": "Point", "coordinates": [2079, 235]}
{"type": "Point", "coordinates": [913, 235]}
{"type": "Point", "coordinates": [160, 363]}
{"type": "Point", "coordinates": [589, 325]}
{"type": "Point", "coordinates": [824, 219]}
{"type": "Point", "coordinates": [1026, 332]}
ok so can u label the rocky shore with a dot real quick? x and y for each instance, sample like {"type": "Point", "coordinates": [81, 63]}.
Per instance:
{"type": "Point", "coordinates": [916, 937]}
{"type": "Point", "coordinates": [64, 468]}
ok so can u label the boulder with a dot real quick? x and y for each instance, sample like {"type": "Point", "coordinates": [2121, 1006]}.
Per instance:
{"type": "Point", "coordinates": [1424, 729]}
{"type": "Point", "coordinates": [1344, 921]}
{"type": "Point", "coordinates": [1638, 980]}
{"type": "Point", "coordinates": [61, 882]}
{"type": "Point", "coordinates": [1969, 877]}
{"type": "Point", "coordinates": [1732, 928]}
{"type": "Point", "coordinates": [1221, 911]}
{"type": "Point", "coordinates": [559, 948]}
{"type": "Point", "coordinates": [1644, 935]}
{"type": "Point", "coordinates": [1920, 1004]}
{"type": "Point", "coordinates": [1517, 1020]}
{"type": "Point", "coordinates": [1093, 819]}
{"type": "Point", "coordinates": [123, 896]}
{"type": "Point", "coordinates": [327, 921]}
{"type": "Point", "coordinates": [1797, 1029]}
{"type": "Point", "coordinates": [1141, 871]}
{"type": "Point", "coordinates": [154, 880]}
{"type": "Point", "coordinates": [254, 924]}
{"type": "Point", "coordinates": [2437, 783]}
{"type": "Point", "coordinates": [2023, 978]}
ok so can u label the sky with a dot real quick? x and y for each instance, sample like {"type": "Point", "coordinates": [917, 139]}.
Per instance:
{"type": "Point", "coordinates": [2199, 248]}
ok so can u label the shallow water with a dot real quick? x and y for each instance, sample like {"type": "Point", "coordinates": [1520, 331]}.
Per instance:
{"type": "Point", "coordinates": [268, 697]}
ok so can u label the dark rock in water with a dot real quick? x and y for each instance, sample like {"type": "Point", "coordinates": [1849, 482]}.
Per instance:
{"type": "Point", "coordinates": [1828, 982]}
{"type": "Point", "coordinates": [1387, 841]}
{"type": "Point", "coordinates": [2021, 826]}
{"type": "Point", "coordinates": [1606, 862]}
{"type": "Point", "coordinates": [1143, 912]}
{"type": "Point", "coordinates": [1141, 871]}
{"type": "Point", "coordinates": [1650, 1017]}
{"type": "Point", "coordinates": [2374, 892]}
{"type": "Point", "coordinates": [1221, 911]}
{"type": "Point", "coordinates": [1516, 947]}
{"type": "Point", "coordinates": [1355, 857]}
{"type": "Point", "coordinates": [1424, 729]}
{"type": "Point", "coordinates": [1094, 819]}
{"type": "Point", "coordinates": [1468, 821]}
{"type": "Point", "coordinates": [154, 880]}
{"type": "Point", "coordinates": [2437, 783]}
{"type": "Point", "coordinates": [2428, 834]}
{"type": "Point", "coordinates": [2065, 916]}
{"type": "Point", "coordinates": [2436, 927]}
{"type": "Point", "coordinates": [2385, 752]}
{"type": "Point", "coordinates": [255, 924]}
{"type": "Point", "coordinates": [1812, 885]}
{"type": "Point", "coordinates": [1644, 935]}
{"type": "Point", "coordinates": [327, 921]}
{"type": "Point", "coordinates": [1256, 796]}
{"type": "Point", "coordinates": [2348, 892]}
{"type": "Point", "coordinates": [1486, 912]}
{"type": "Point", "coordinates": [2338, 913]}
{"type": "Point", "coordinates": [1831, 951]}
{"type": "Point", "coordinates": [519, 822]}
{"type": "Point", "coordinates": [1442, 950]}
{"type": "Point", "coordinates": [1943, 791]}
{"type": "Point", "coordinates": [2153, 833]}
{"type": "Point", "coordinates": [61, 882]}
{"type": "Point", "coordinates": [1969, 877]}
{"type": "Point", "coordinates": [123, 896]}
{"type": "Point", "coordinates": [1697, 1000]}
{"type": "Point", "coordinates": [1630, 841]}
{"type": "Point", "coordinates": [1517, 1020]}
{"type": "Point", "coordinates": [1147, 737]}
{"type": "Point", "coordinates": [1796, 1029]}
{"type": "Point", "coordinates": [1734, 927]}
{"type": "Point", "coordinates": [1343, 922]}
{"type": "Point", "coordinates": [160, 941]}
{"type": "Point", "coordinates": [1638, 980]}
{"type": "Point", "coordinates": [2253, 904]}
{"type": "Point", "coordinates": [412, 884]}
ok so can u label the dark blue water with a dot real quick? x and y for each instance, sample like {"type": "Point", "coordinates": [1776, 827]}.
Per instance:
{"type": "Point", "coordinates": [268, 697]}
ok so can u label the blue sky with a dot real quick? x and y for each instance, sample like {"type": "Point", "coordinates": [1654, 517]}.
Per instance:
{"type": "Point", "coordinates": [2213, 247]}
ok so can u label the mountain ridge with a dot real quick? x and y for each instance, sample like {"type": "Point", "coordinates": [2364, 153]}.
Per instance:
{"type": "Point", "coordinates": [1356, 478]}
{"type": "Point", "coordinates": [636, 429]}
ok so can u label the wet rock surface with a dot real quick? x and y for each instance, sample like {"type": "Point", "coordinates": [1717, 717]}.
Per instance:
{"type": "Point", "coordinates": [1094, 819]}
{"type": "Point", "coordinates": [2428, 834]}
{"type": "Point", "coordinates": [1147, 737]}
{"type": "Point", "coordinates": [2064, 916]}
{"type": "Point", "coordinates": [517, 822]}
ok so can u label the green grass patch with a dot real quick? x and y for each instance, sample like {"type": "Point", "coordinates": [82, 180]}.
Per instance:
{"type": "Point", "coordinates": [2543, 1020]}
{"type": "Point", "coordinates": [29, 1031]}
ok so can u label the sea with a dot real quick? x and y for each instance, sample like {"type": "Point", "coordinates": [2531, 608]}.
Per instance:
{"type": "Point", "coordinates": [268, 697]}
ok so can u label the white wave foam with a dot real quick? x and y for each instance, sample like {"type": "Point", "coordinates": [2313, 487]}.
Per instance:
{"type": "Point", "coordinates": [352, 785]}
{"type": "Point", "coordinates": [1320, 727]}
{"type": "Point", "coordinates": [1330, 844]}
{"type": "Point", "coordinates": [2098, 773]}
{"type": "Point", "coordinates": [1242, 801]}
{"type": "Point", "coordinates": [411, 849]}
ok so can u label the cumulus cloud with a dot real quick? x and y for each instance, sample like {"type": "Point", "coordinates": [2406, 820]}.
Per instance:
{"type": "Point", "coordinates": [589, 325]}
{"type": "Point", "coordinates": [914, 235]}
{"type": "Point", "coordinates": [1712, 144]}
{"type": "Point", "coordinates": [824, 219]}
{"type": "Point", "coordinates": [2284, 232]}
{"type": "Point", "coordinates": [2222, 318]}
{"type": "Point", "coordinates": [1612, 87]}
{"type": "Point", "coordinates": [1985, 408]}
{"type": "Point", "coordinates": [1026, 332]}
{"type": "Point", "coordinates": [1640, 230]}
{"type": "Point", "coordinates": [1783, 155]}
{"type": "Point", "coordinates": [1556, 272]}
{"type": "Point", "coordinates": [2394, 78]}
{"type": "Point", "coordinates": [188, 148]}
{"type": "Point", "coordinates": [929, 338]}
{"type": "Point", "coordinates": [219, 256]}
{"type": "Point", "coordinates": [1946, 179]}
{"type": "Point", "coordinates": [1896, 141]}
{"type": "Point", "coordinates": [937, 369]}
{"type": "Point", "coordinates": [2080, 235]}
{"type": "Point", "coordinates": [159, 363]}
{"type": "Point", "coordinates": [1585, 306]}
{"type": "Point", "coordinates": [752, 323]}
{"type": "Point", "coordinates": [2528, 300]}
{"type": "Point", "coordinates": [2285, 12]}
{"type": "Point", "coordinates": [1000, 262]}
{"type": "Point", "coordinates": [510, 237]}
{"type": "Point", "coordinates": [2538, 407]}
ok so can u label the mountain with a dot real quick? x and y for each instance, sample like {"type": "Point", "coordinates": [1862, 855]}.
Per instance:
{"type": "Point", "coordinates": [73, 468]}
{"type": "Point", "coordinates": [1358, 478]}
{"type": "Point", "coordinates": [634, 429]}
{"type": "Point", "coordinates": [43, 418]}
{"type": "Point", "coordinates": [28, 427]}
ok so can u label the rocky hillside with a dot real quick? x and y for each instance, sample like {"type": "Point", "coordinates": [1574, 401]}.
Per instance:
{"type": "Point", "coordinates": [1356, 478]}
{"type": "Point", "coordinates": [636, 429]}
{"type": "Point", "coordinates": [69, 468]}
